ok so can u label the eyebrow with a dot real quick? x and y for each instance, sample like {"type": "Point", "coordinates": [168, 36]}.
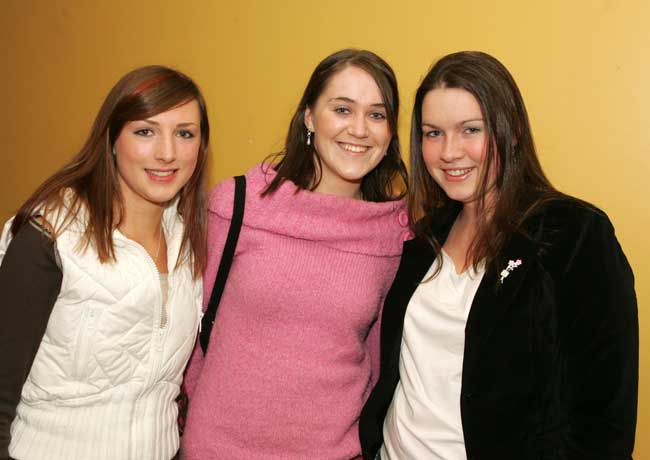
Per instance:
{"type": "Point", "coordinates": [431, 125]}
{"type": "Point", "coordinates": [180, 125]}
{"type": "Point", "coordinates": [352, 101]}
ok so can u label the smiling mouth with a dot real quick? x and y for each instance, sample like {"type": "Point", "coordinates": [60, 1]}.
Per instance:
{"type": "Point", "coordinates": [457, 172]}
{"type": "Point", "coordinates": [353, 148]}
{"type": "Point", "coordinates": [161, 173]}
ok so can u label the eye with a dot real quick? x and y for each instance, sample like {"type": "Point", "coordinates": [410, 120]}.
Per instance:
{"type": "Point", "coordinates": [472, 130]}
{"type": "Point", "coordinates": [378, 116]}
{"type": "Point", "coordinates": [146, 132]}
{"type": "Point", "coordinates": [185, 134]}
{"type": "Point", "coordinates": [342, 110]}
{"type": "Point", "coordinates": [432, 133]}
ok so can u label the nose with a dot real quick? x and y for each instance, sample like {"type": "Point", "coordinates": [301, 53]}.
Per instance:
{"type": "Point", "coordinates": [451, 149]}
{"type": "Point", "coordinates": [358, 126]}
{"type": "Point", "coordinates": [166, 151]}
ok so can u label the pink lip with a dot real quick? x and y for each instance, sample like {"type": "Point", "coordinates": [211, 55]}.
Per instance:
{"type": "Point", "coordinates": [349, 152]}
{"type": "Point", "coordinates": [451, 178]}
{"type": "Point", "coordinates": [162, 179]}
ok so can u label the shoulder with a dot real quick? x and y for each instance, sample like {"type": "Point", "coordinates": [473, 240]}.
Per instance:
{"type": "Point", "coordinates": [37, 227]}
{"type": "Point", "coordinates": [5, 237]}
{"type": "Point", "coordinates": [567, 229]}
{"type": "Point", "coordinates": [221, 194]}
{"type": "Point", "coordinates": [33, 241]}
{"type": "Point", "coordinates": [569, 216]}
{"type": "Point", "coordinates": [67, 212]}
{"type": "Point", "coordinates": [220, 198]}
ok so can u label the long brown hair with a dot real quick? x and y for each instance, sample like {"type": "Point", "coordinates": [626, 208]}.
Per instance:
{"type": "Point", "coordinates": [518, 179]}
{"type": "Point", "coordinates": [300, 162]}
{"type": "Point", "coordinates": [92, 175]}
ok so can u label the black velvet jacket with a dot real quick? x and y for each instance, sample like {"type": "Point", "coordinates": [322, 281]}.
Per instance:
{"type": "Point", "coordinates": [550, 366]}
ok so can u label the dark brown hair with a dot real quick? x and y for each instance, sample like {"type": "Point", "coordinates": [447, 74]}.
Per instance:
{"type": "Point", "coordinates": [92, 174]}
{"type": "Point", "coordinates": [519, 182]}
{"type": "Point", "coordinates": [298, 160]}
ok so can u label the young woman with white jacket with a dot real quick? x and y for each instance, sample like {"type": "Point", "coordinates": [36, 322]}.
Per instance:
{"type": "Point", "coordinates": [100, 278]}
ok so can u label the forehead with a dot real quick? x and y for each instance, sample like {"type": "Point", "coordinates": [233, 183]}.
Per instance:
{"type": "Point", "coordinates": [187, 112]}
{"type": "Point", "coordinates": [354, 83]}
{"type": "Point", "coordinates": [450, 105]}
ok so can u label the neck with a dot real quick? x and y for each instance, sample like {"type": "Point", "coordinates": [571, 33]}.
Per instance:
{"type": "Point", "coordinates": [465, 226]}
{"type": "Point", "coordinates": [145, 228]}
{"type": "Point", "coordinates": [342, 189]}
{"type": "Point", "coordinates": [461, 235]}
{"type": "Point", "coordinates": [333, 185]}
{"type": "Point", "coordinates": [141, 222]}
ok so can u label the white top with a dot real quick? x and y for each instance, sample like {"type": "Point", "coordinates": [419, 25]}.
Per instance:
{"type": "Point", "coordinates": [106, 375]}
{"type": "Point", "coordinates": [423, 420]}
{"type": "Point", "coordinates": [164, 288]}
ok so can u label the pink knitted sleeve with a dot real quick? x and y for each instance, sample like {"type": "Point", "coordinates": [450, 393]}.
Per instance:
{"type": "Point", "coordinates": [221, 198]}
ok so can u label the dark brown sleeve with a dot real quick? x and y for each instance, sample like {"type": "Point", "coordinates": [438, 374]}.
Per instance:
{"type": "Point", "coordinates": [30, 281]}
{"type": "Point", "coordinates": [600, 347]}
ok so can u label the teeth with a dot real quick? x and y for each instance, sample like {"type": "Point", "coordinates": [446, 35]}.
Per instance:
{"type": "Point", "coordinates": [354, 148]}
{"type": "Point", "coordinates": [458, 172]}
{"type": "Point", "coordinates": [160, 173]}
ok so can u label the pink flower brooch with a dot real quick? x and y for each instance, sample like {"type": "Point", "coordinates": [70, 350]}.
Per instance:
{"type": "Point", "coordinates": [512, 264]}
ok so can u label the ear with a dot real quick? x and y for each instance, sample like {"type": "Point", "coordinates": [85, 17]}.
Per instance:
{"type": "Point", "coordinates": [309, 123]}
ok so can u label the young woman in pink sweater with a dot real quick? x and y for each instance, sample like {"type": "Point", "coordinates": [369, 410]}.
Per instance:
{"type": "Point", "coordinates": [294, 348]}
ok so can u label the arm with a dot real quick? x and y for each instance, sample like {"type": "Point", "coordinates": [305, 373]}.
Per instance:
{"type": "Point", "coordinates": [600, 341]}
{"type": "Point", "coordinates": [217, 232]}
{"type": "Point", "coordinates": [372, 343]}
{"type": "Point", "coordinates": [30, 280]}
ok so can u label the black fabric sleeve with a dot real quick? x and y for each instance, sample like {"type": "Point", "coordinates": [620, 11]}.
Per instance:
{"type": "Point", "coordinates": [600, 347]}
{"type": "Point", "coordinates": [30, 281]}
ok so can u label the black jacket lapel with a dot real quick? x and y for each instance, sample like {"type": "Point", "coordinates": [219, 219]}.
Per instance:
{"type": "Point", "coordinates": [496, 293]}
{"type": "Point", "coordinates": [417, 257]}
{"type": "Point", "coordinates": [416, 260]}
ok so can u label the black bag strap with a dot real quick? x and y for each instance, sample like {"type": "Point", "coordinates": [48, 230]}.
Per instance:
{"type": "Point", "coordinates": [226, 262]}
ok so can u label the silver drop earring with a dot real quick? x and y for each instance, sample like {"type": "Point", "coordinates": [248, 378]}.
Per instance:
{"type": "Point", "coordinates": [308, 136]}
{"type": "Point", "coordinates": [113, 151]}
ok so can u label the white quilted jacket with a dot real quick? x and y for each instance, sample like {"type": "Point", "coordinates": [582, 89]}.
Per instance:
{"type": "Point", "coordinates": [104, 380]}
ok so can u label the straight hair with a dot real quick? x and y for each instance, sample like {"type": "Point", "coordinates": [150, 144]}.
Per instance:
{"type": "Point", "coordinates": [92, 174]}
{"type": "Point", "coordinates": [518, 184]}
{"type": "Point", "coordinates": [300, 163]}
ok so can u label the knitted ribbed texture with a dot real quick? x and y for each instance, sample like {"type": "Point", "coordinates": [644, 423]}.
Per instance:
{"type": "Point", "coordinates": [120, 424]}
{"type": "Point", "coordinates": [294, 349]}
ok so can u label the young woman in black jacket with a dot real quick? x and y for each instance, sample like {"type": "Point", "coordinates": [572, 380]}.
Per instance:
{"type": "Point", "coordinates": [511, 330]}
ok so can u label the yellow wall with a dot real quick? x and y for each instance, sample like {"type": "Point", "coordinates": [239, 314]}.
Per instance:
{"type": "Point", "coordinates": [583, 67]}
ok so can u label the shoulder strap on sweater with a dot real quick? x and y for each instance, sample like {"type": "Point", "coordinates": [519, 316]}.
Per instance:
{"type": "Point", "coordinates": [226, 262]}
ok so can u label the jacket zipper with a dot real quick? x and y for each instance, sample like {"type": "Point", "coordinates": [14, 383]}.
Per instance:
{"type": "Point", "coordinates": [157, 337]}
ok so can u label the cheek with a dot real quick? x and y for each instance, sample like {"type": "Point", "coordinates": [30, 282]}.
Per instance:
{"type": "Point", "coordinates": [125, 167]}
{"type": "Point", "coordinates": [477, 151]}
{"type": "Point", "coordinates": [326, 124]}
{"type": "Point", "coordinates": [129, 151]}
{"type": "Point", "coordinates": [383, 135]}
{"type": "Point", "coordinates": [430, 154]}
{"type": "Point", "coordinates": [190, 155]}
{"type": "Point", "coordinates": [127, 155]}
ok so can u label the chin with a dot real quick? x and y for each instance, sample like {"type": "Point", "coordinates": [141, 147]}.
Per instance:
{"type": "Point", "coordinates": [355, 174]}
{"type": "Point", "coordinates": [161, 198]}
{"type": "Point", "coordinates": [357, 177]}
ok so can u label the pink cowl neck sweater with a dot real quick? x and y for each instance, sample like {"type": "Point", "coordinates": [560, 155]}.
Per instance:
{"type": "Point", "coordinates": [294, 350]}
